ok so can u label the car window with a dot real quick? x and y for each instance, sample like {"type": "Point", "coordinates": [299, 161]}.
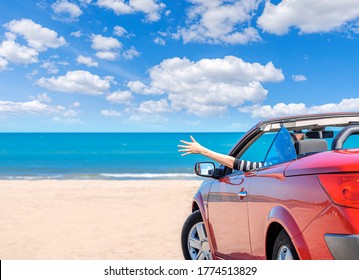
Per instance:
{"type": "Point", "coordinates": [282, 149]}
{"type": "Point", "coordinates": [329, 140]}
{"type": "Point", "coordinates": [351, 142]}
{"type": "Point", "coordinates": [259, 149]}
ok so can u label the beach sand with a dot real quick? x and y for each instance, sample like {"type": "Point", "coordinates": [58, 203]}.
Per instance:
{"type": "Point", "coordinates": [93, 219]}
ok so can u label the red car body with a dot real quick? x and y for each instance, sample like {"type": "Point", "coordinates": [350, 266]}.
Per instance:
{"type": "Point", "coordinates": [313, 198]}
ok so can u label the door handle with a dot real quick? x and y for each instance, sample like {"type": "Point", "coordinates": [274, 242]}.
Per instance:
{"type": "Point", "coordinates": [242, 194]}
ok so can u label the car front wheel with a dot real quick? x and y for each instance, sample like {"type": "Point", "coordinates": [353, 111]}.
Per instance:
{"type": "Point", "coordinates": [284, 248]}
{"type": "Point", "coordinates": [194, 239]}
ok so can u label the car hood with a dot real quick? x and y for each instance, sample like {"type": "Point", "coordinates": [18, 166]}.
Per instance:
{"type": "Point", "coordinates": [325, 162]}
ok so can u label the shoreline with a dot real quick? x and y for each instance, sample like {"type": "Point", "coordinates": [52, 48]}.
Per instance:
{"type": "Point", "coordinates": [105, 176]}
{"type": "Point", "coordinates": [93, 219]}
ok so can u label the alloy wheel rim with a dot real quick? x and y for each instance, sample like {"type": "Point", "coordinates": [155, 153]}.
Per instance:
{"type": "Point", "coordinates": [284, 253]}
{"type": "Point", "coordinates": [197, 243]}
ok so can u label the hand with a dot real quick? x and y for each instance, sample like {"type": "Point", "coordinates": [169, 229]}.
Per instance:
{"type": "Point", "coordinates": [191, 147]}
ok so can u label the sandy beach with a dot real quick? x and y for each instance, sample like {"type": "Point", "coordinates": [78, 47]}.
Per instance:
{"type": "Point", "coordinates": [93, 219]}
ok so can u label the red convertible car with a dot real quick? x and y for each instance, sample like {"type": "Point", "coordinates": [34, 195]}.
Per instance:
{"type": "Point", "coordinates": [303, 203]}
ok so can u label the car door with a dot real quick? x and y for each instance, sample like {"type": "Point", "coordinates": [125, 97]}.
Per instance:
{"type": "Point", "coordinates": [268, 188]}
{"type": "Point", "coordinates": [228, 216]}
{"type": "Point", "coordinates": [228, 204]}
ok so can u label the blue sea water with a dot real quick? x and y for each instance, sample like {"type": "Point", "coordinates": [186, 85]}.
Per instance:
{"type": "Point", "coordinates": [103, 155]}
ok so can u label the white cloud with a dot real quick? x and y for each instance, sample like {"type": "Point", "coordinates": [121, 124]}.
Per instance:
{"type": "Point", "coordinates": [209, 86]}
{"type": "Point", "coordinates": [119, 31]}
{"type": "Point", "coordinates": [140, 88]}
{"type": "Point", "coordinates": [50, 66]}
{"type": "Point", "coordinates": [110, 113]}
{"type": "Point", "coordinates": [152, 106]}
{"type": "Point", "coordinates": [200, 109]}
{"type": "Point", "coordinates": [102, 43]}
{"type": "Point", "coordinates": [66, 11]}
{"type": "Point", "coordinates": [3, 63]}
{"type": "Point", "coordinates": [69, 116]}
{"type": "Point", "coordinates": [279, 109]}
{"type": "Point", "coordinates": [64, 63]}
{"type": "Point", "coordinates": [85, 2]}
{"type": "Point", "coordinates": [111, 79]}
{"type": "Point", "coordinates": [76, 81]}
{"type": "Point", "coordinates": [121, 97]}
{"type": "Point", "coordinates": [11, 51]}
{"type": "Point", "coordinates": [159, 41]}
{"type": "Point", "coordinates": [354, 27]}
{"type": "Point", "coordinates": [107, 47]}
{"type": "Point", "coordinates": [10, 36]}
{"type": "Point", "coordinates": [41, 4]}
{"type": "Point", "coordinates": [86, 60]}
{"type": "Point", "coordinates": [307, 15]}
{"type": "Point", "coordinates": [70, 113]}
{"type": "Point", "coordinates": [76, 34]}
{"type": "Point", "coordinates": [42, 97]}
{"type": "Point", "coordinates": [30, 107]}
{"type": "Point", "coordinates": [152, 8]}
{"type": "Point", "coordinates": [107, 55]}
{"type": "Point", "coordinates": [131, 53]}
{"type": "Point", "coordinates": [282, 109]}
{"type": "Point", "coordinates": [345, 105]}
{"type": "Point", "coordinates": [30, 76]}
{"type": "Point", "coordinates": [37, 37]}
{"type": "Point", "coordinates": [299, 78]}
{"type": "Point", "coordinates": [146, 119]}
{"type": "Point", "coordinates": [220, 22]}
{"type": "Point", "coordinates": [67, 120]}
{"type": "Point", "coordinates": [118, 6]}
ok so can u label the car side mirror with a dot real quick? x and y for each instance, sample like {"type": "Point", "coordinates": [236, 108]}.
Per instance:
{"type": "Point", "coordinates": [204, 169]}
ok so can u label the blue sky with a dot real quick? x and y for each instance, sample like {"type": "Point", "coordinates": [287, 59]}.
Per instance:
{"type": "Point", "coordinates": [156, 65]}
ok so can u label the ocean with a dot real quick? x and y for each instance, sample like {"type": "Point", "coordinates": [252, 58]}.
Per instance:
{"type": "Point", "coordinates": [112, 156]}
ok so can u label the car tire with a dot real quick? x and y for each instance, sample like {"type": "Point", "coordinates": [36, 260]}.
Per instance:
{"type": "Point", "coordinates": [194, 239]}
{"type": "Point", "coordinates": [283, 248]}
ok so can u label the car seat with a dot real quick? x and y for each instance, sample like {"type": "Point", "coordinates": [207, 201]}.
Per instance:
{"type": "Point", "coordinates": [306, 146]}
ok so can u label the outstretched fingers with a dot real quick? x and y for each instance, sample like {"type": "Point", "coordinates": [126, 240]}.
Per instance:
{"type": "Point", "coordinates": [185, 152]}
{"type": "Point", "coordinates": [185, 142]}
{"type": "Point", "coordinates": [189, 147]}
{"type": "Point", "coordinates": [183, 146]}
{"type": "Point", "coordinates": [184, 149]}
{"type": "Point", "coordinates": [192, 138]}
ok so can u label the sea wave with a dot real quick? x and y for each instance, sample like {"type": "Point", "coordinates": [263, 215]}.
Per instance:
{"type": "Point", "coordinates": [34, 177]}
{"type": "Point", "coordinates": [102, 176]}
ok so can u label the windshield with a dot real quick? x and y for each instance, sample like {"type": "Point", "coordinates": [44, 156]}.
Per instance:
{"type": "Point", "coordinates": [282, 149]}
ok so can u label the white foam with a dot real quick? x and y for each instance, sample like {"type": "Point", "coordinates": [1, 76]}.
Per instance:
{"type": "Point", "coordinates": [148, 175]}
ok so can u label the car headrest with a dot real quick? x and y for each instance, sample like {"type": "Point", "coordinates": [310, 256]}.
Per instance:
{"type": "Point", "coordinates": [311, 146]}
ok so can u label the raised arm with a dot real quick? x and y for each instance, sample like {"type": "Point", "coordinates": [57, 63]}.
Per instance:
{"type": "Point", "coordinates": [195, 148]}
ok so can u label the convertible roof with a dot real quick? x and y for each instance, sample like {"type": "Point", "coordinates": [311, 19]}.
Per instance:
{"type": "Point", "coordinates": [315, 121]}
